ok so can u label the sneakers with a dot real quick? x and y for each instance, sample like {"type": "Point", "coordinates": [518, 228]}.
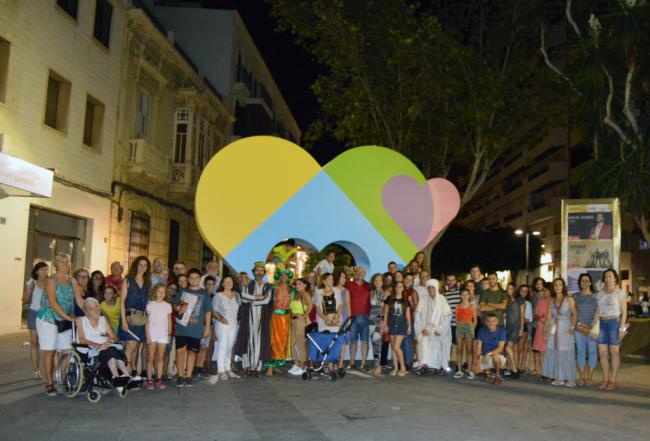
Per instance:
{"type": "Point", "coordinates": [295, 370]}
{"type": "Point", "coordinates": [557, 383]}
{"type": "Point", "coordinates": [149, 385]}
{"type": "Point", "coordinates": [180, 382]}
{"type": "Point", "coordinates": [213, 379]}
{"type": "Point", "coordinates": [231, 374]}
{"type": "Point", "coordinates": [417, 365]}
{"type": "Point", "coordinates": [160, 385]}
{"type": "Point", "coordinates": [188, 382]}
{"type": "Point", "coordinates": [470, 375]}
{"type": "Point", "coordinates": [223, 376]}
{"type": "Point", "coordinates": [458, 375]}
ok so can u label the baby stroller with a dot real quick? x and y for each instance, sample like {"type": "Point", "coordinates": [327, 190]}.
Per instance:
{"type": "Point", "coordinates": [325, 347]}
{"type": "Point", "coordinates": [80, 371]}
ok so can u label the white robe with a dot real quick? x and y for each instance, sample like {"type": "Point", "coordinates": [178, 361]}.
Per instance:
{"type": "Point", "coordinates": [435, 350]}
{"type": "Point", "coordinates": [419, 313]}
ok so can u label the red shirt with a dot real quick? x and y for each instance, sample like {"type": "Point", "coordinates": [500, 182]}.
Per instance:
{"type": "Point", "coordinates": [359, 297]}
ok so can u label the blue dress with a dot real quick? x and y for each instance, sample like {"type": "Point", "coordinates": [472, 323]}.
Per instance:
{"type": "Point", "coordinates": [136, 298]}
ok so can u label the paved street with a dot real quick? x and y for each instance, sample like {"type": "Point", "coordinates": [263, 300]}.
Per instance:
{"type": "Point", "coordinates": [356, 408]}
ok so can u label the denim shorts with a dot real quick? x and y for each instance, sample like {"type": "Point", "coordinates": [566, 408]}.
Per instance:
{"type": "Point", "coordinates": [609, 332]}
{"type": "Point", "coordinates": [359, 329]}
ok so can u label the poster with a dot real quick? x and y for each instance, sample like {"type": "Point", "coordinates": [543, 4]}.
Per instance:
{"type": "Point", "coordinates": [591, 236]}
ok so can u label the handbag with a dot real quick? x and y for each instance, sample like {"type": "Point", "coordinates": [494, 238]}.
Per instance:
{"type": "Point", "coordinates": [311, 326]}
{"type": "Point", "coordinates": [136, 317]}
{"type": "Point", "coordinates": [63, 325]}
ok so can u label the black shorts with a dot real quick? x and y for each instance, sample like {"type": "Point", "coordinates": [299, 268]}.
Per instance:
{"type": "Point", "coordinates": [192, 344]}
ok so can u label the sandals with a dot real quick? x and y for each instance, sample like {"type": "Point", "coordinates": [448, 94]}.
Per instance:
{"type": "Point", "coordinates": [604, 385]}
{"type": "Point", "coordinates": [50, 390]}
{"type": "Point", "coordinates": [611, 386]}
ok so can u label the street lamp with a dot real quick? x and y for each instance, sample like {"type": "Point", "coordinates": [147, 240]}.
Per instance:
{"type": "Point", "coordinates": [527, 232]}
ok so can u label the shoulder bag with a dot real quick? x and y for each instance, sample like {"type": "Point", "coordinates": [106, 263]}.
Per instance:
{"type": "Point", "coordinates": [136, 317]}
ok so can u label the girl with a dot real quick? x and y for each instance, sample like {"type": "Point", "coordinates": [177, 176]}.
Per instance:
{"type": "Point", "coordinates": [159, 331]}
{"type": "Point", "coordinates": [540, 315]}
{"type": "Point", "coordinates": [97, 285]}
{"type": "Point", "coordinates": [301, 307]}
{"type": "Point", "coordinates": [133, 309]}
{"type": "Point", "coordinates": [341, 280]}
{"type": "Point", "coordinates": [225, 308]}
{"type": "Point", "coordinates": [465, 324]}
{"type": "Point", "coordinates": [32, 294]}
{"type": "Point", "coordinates": [397, 319]}
{"type": "Point", "coordinates": [514, 327]}
{"type": "Point", "coordinates": [111, 307]}
{"type": "Point", "coordinates": [560, 358]}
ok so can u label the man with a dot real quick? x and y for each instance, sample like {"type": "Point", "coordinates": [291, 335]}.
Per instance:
{"type": "Point", "coordinates": [212, 269]}
{"type": "Point", "coordinates": [284, 254]}
{"type": "Point", "coordinates": [206, 343]}
{"type": "Point", "coordinates": [476, 276]}
{"type": "Point", "coordinates": [435, 342]}
{"type": "Point", "coordinates": [490, 343]}
{"type": "Point", "coordinates": [281, 295]}
{"type": "Point", "coordinates": [193, 312]}
{"type": "Point", "coordinates": [157, 276]}
{"type": "Point", "coordinates": [360, 308]}
{"type": "Point", "coordinates": [421, 291]}
{"type": "Point", "coordinates": [326, 265]}
{"type": "Point", "coordinates": [253, 342]}
{"type": "Point", "coordinates": [452, 294]}
{"type": "Point", "coordinates": [177, 269]}
{"type": "Point", "coordinates": [601, 230]}
{"type": "Point", "coordinates": [494, 300]}
{"type": "Point", "coordinates": [392, 267]}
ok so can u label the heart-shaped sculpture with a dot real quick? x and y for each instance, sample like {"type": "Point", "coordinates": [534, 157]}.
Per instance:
{"type": "Point", "coordinates": [412, 206]}
{"type": "Point", "coordinates": [260, 190]}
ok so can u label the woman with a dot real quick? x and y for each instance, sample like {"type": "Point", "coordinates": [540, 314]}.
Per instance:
{"type": "Point", "coordinates": [540, 315]}
{"type": "Point", "coordinates": [526, 342]}
{"type": "Point", "coordinates": [341, 280]}
{"type": "Point", "coordinates": [312, 279]}
{"type": "Point", "coordinates": [95, 331]}
{"type": "Point", "coordinates": [420, 258]}
{"type": "Point", "coordinates": [408, 345]}
{"type": "Point", "coordinates": [133, 307]}
{"type": "Point", "coordinates": [587, 307]}
{"type": "Point", "coordinates": [329, 305]}
{"type": "Point", "coordinates": [378, 296]}
{"type": "Point", "coordinates": [301, 307]}
{"type": "Point", "coordinates": [115, 278]}
{"type": "Point", "coordinates": [612, 312]}
{"type": "Point", "coordinates": [32, 295]}
{"type": "Point", "coordinates": [225, 308]}
{"type": "Point", "coordinates": [560, 358]}
{"type": "Point", "coordinates": [82, 276]}
{"type": "Point", "coordinates": [398, 276]}
{"type": "Point", "coordinates": [111, 306]}
{"type": "Point", "coordinates": [97, 285]}
{"type": "Point", "coordinates": [514, 327]}
{"type": "Point", "coordinates": [397, 319]}
{"type": "Point", "coordinates": [54, 322]}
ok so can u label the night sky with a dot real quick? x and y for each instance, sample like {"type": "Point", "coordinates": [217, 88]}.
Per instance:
{"type": "Point", "coordinates": [292, 68]}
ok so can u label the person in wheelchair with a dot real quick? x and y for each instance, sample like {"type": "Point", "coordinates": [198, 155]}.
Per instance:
{"type": "Point", "coordinates": [94, 331]}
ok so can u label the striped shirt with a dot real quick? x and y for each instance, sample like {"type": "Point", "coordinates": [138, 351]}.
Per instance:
{"type": "Point", "coordinates": [586, 307]}
{"type": "Point", "coordinates": [453, 298]}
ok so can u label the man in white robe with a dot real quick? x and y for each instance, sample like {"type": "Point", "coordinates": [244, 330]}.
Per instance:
{"type": "Point", "coordinates": [418, 315]}
{"type": "Point", "coordinates": [435, 340]}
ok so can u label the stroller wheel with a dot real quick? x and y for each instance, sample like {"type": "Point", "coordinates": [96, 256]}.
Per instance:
{"type": "Point", "coordinates": [122, 392]}
{"type": "Point", "coordinates": [341, 372]}
{"type": "Point", "coordinates": [93, 396]}
{"type": "Point", "coordinates": [306, 375]}
{"type": "Point", "coordinates": [333, 376]}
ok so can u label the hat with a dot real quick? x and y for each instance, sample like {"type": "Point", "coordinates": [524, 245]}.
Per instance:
{"type": "Point", "coordinates": [281, 271]}
{"type": "Point", "coordinates": [431, 283]}
{"type": "Point", "coordinates": [259, 264]}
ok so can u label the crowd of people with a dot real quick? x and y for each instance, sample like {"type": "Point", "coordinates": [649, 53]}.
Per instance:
{"type": "Point", "coordinates": [195, 324]}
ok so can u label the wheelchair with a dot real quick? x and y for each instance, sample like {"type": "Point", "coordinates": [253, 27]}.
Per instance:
{"type": "Point", "coordinates": [79, 371]}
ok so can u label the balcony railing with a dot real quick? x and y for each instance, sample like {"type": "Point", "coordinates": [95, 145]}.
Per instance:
{"type": "Point", "coordinates": [146, 161]}
{"type": "Point", "coordinates": [184, 178]}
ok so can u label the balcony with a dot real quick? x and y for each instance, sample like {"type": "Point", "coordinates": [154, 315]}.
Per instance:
{"type": "Point", "coordinates": [147, 162]}
{"type": "Point", "coordinates": [184, 178]}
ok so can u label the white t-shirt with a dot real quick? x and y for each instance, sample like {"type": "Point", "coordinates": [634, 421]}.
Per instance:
{"type": "Point", "coordinates": [228, 308]}
{"type": "Point", "coordinates": [528, 311]}
{"type": "Point", "coordinates": [609, 305]}
{"type": "Point", "coordinates": [324, 266]}
{"type": "Point", "coordinates": [158, 320]}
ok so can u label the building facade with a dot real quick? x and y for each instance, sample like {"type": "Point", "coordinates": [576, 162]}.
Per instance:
{"type": "Point", "coordinates": [172, 122]}
{"type": "Point", "coordinates": [60, 64]}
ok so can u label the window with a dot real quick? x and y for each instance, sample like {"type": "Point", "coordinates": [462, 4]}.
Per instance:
{"type": "Point", "coordinates": [103, 13]}
{"type": "Point", "coordinates": [4, 68]}
{"type": "Point", "coordinates": [69, 6]}
{"type": "Point", "coordinates": [180, 139]}
{"type": "Point", "coordinates": [57, 100]}
{"type": "Point", "coordinates": [143, 115]}
{"type": "Point", "coordinates": [139, 235]}
{"type": "Point", "coordinates": [93, 122]}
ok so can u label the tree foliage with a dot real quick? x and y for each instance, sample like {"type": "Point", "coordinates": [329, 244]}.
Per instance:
{"type": "Point", "coordinates": [608, 76]}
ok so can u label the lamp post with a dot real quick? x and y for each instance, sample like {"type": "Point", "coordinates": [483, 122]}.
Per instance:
{"type": "Point", "coordinates": [527, 232]}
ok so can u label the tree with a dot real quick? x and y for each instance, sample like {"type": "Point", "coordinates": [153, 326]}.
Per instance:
{"type": "Point", "coordinates": [607, 76]}
{"type": "Point", "coordinates": [452, 98]}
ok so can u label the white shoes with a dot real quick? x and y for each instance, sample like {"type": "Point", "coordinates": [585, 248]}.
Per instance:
{"type": "Point", "coordinates": [459, 375]}
{"type": "Point", "coordinates": [213, 379]}
{"type": "Point", "coordinates": [295, 370]}
{"type": "Point", "coordinates": [231, 374]}
{"type": "Point", "coordinates": [417, 365]}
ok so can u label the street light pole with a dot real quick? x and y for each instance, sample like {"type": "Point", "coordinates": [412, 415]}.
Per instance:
{"type": "Point", "coordinates": [527, 232]}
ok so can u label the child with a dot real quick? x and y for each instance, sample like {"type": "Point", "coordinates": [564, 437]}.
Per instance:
{"type": "Point", "coordinates": [159, 327]}
{"type": "Point", "coordinates": [465, 324]}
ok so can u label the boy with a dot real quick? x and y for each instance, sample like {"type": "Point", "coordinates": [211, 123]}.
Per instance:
{"type": "Point", "coordinates": [193, 312]}
{"type": "Point", "coordinates": [490, 344]}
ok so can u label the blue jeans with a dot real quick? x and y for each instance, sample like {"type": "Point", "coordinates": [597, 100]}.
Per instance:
{"type": "Point", "coordinates": [586, 345]}
{"type": "Point", "coordinates": [360, 329]}
{"type": "Point", "coordinates": [408, 349]}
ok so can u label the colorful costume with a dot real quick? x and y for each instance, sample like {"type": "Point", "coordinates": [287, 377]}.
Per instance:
{"type": "Point", "coordinates": [283, 294]}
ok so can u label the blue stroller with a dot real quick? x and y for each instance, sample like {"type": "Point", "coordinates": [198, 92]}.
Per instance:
{"type": "Point", "coordinates": [325, 347]}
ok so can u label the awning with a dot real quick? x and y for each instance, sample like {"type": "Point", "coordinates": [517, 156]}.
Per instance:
{"type": "Point", "coordinates": [21, 178]}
